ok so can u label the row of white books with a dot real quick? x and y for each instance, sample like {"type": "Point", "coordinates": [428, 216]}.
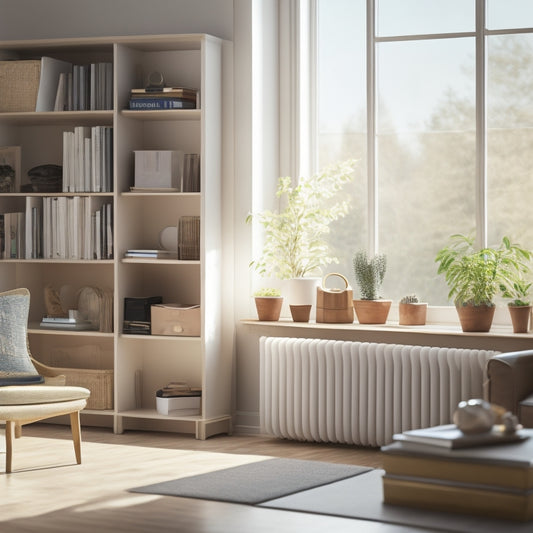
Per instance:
{"type": "Point", "coordinates": [88, 159]}
{"type": "Point", "coordinates": [64, 86]}
{"type": "Point", "coordinates": [58, 228]}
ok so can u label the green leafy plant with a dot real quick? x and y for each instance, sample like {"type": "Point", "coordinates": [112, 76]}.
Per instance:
{"type": "Point", "coordinates": [267, 292]}
{"type": "Point", "coordinates": [518, 293]}
{"type": "Point", "coordinates": [475, 277]}
{"type": "Point", "coordinates": [409, 299]}
{"type": "Point", "coordinates": [294, 244]}
{"type": "Point", "coordinates": [369, 274]}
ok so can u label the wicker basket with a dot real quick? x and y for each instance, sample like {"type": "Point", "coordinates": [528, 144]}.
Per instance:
{"type": "Point", "coordinates": [19, 85]}
{"type": "Point", "coordinates": [73, 365]}
{"type": "Point", "coordinates": [99, 382]}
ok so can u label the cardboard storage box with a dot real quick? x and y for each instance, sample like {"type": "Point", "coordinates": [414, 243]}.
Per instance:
{"type": "Point", "coordinates": [179, 405]}
{"type": "Point", "coordinates": [176, 319]}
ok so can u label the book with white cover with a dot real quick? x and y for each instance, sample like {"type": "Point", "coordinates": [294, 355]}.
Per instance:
{"type": "Point", "coordinates": [49, 81]}
{"type": "Point", "coordinates": [450, 436]}
{"type": "Point", "coordinates": [33, 211]}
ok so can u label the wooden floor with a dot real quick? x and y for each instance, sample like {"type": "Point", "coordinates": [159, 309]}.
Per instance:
{"type": "Point", "coordinates": [49, 492]}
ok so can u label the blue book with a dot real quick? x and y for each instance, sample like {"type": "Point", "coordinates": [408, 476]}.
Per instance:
{"type": "Point", "coordinates": [161, 103]}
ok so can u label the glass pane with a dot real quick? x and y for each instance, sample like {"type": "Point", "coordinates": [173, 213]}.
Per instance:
{"type": "Point", "coordinates": [421, 17]}
{"type": "Point", "coordinates": [341, 115]}
{"type": "Point", "coordinates": [507, 14]}
{"type": "Point", "coordinates": [426, 159]}
{"type": "Point", "coordinates": [418, 81]}
{"type": "Point", "coordinates": [510, 138]}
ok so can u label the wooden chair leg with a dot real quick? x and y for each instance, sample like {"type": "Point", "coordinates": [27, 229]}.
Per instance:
{"type": "Point", "coordinates": [76, 434]}
{"type": "Point", "coordinates": [18, 430]}
{"type": "Point", "coordinates": [10, 431]}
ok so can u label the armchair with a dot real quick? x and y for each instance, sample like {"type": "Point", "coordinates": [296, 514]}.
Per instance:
{"type": "Point", "coordinates": [29, 391]}
{"type": "Point", "coordinates": [510, 384]}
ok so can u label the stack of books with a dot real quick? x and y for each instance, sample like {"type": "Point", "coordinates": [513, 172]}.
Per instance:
{"type": "Point", "coordinates": [69, 322]}
{"type": "Point", "coordinates": [177, 398]}
{"type": "Point", "coordinates": [164, 98]}
{"type": "Point", "coordinates": [141, 253]}
{"type": "Point", "coordinates": [441, 469]}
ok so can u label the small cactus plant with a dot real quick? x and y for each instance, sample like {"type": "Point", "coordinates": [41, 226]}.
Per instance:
{"type": "Point", "coordinates": [409, 299]}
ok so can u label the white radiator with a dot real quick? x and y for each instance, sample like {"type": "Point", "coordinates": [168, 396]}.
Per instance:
{"type": "Point", "coordinates": [362, 393]}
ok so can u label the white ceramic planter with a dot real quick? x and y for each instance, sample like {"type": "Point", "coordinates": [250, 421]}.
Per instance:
{"type": "Point", "coordinates": [302, 291]}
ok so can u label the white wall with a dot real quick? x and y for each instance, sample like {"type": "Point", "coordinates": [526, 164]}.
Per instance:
{"type": "Point", "coordinates": [41, 19]}
{"type": "Point", "coordinates": [253, 124]}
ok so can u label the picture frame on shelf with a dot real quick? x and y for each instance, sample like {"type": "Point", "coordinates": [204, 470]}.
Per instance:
{"type": "Point", "coordinates": [10, 162]}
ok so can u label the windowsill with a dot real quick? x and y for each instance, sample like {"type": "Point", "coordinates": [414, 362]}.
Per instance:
{"type": "Point", "coordinates": [496, 331]}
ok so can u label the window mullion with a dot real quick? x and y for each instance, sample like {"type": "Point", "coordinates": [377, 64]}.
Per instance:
{"type": "Point", "coordinates": [373, 234]}
{"type": "Point", "coordinates": [481, 125]}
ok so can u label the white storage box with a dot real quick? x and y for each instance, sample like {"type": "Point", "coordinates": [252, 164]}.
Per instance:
{"type": "Point", "coordinates": [158, 169]}
{"type": "Point", "coordinates": [179, 405]}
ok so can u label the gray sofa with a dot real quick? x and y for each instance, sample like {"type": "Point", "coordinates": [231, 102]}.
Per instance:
{"type": "Point", "coordinates": [510, 384]}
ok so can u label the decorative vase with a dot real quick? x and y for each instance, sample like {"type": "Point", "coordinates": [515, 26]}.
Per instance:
{"type": "Point", "coordinates": [476, 318]}
{"type": "Point", "coordinates": [520, 315]}
{"type": "Point", "coordinates": [412, 314]}
{"type": "Point", "coordinates": [268, 307]}
{"type": "Point", "coordinates": [372, 311]}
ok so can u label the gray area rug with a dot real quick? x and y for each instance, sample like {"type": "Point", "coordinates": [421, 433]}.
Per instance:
{"type": "Point", "coordinates": [322, 488]}
{"type": "Point", "coordinates": [255, 482]}
{"type": "Point", "coordinates": [361, 497]}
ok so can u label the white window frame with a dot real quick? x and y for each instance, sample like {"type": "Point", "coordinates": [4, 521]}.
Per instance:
{"type": "Point", "coordinates": [298, 113]}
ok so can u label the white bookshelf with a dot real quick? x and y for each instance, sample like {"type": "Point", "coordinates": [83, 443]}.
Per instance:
{"type": "Point", "coordinates": [187, 60]}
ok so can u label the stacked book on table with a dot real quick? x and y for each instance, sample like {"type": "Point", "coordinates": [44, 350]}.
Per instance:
{"type": "Point", "coordinates": [441, 469]}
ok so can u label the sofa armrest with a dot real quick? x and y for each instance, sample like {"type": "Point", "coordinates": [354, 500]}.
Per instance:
{"type": "Point", "coordinates": [510, 379]}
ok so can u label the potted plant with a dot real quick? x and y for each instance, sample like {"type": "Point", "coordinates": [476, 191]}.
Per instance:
{"type": "Point", "coordinates": [268, 302]}
{"type": "Point", "coordinates": [294, 245]}
{"type": "Point", "coordinates": [474, 277]}
{"type": "Point", "coordinates": [411, 311]}
{"type": "Point", "coordinates": [520, 305]}
{"type": "Point", "coordinates": [369, 274]}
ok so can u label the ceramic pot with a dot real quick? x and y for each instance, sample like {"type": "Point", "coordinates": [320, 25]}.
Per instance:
{"type": "Point", "coordinates": [412, 314]}
{"type": "Point", "coordinates": [268, 307]}
{"type": "Point", "coordinates": [372, 311]}
{"type": "Point", "coordinates": [520, 315]}
{"type": "Point", "coordinates": [476, 317]}
{"type": "Point", "coordinates": [302, 291]}
{"type": "Point", "coordinates": [300, 313]}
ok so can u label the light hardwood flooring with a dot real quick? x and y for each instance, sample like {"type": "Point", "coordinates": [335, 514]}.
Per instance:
{"type": "Point", "coordinates": [49, 492]}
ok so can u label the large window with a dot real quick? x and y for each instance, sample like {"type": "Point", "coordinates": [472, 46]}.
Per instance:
{"type": "Point", "coordinates": [435, 100]}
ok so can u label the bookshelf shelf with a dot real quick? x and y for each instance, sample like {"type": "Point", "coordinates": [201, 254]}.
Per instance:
{"type": "Point", "coordinates": [150, 261]}
{"type": "Point", "coordinates": [50, 118]}
{"type": "Point", "coordinates": [138, 219]}
{"type": "Point", "coordinates": [163, 114]}
{"type": "Point", "coordinates": [34, 329]}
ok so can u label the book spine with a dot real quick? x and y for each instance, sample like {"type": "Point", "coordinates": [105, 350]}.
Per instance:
{"type": "Point", "coordinates": [458, 499]}
{"type": "Point", "coordinates": [160, 103]}
{"type": "Point", "coordinates": [458, 471]}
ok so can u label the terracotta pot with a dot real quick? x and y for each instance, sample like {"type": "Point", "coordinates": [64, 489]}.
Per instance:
{"type": "Point", "coordinates": [412, 314]}
{"type": "Point", "coordinates": [476, 317]}
{"type": "Point", "coordinates": [520, 315]}
{"type": "Point", "coordinates": [268, 307]}
{"type": "Point", "coordinates": [372, 311]}
{"type": "Point", "coordinates": [300, 313]}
